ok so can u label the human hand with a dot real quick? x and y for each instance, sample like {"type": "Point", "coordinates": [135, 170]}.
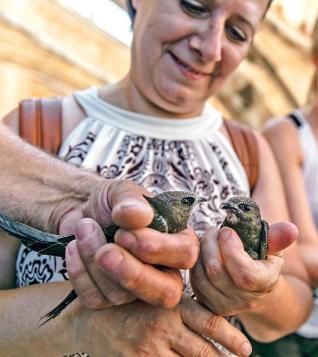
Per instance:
{"type": "Point", "coordinates": [138, 328]}
{"type": "Point", "coordinates": [113, 274]}
{"type": "Point", "coordinates": [227, 280]}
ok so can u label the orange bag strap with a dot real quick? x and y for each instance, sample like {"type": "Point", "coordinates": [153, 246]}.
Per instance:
{"type": "Point", "coordinates": [245, 145]}
{"type": "Point", "coordinates": [40, 123]}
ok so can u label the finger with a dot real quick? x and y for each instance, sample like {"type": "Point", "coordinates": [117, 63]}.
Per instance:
{"type": "Point", "coordinates": [211, 255]}
{"type": "Point", "coordinates": [83, 285]}
{"type": "Point", "coordinates": [205, 323]}
{"type": "Point", "coordinates": [130, 209]}
{"type": "Point", "coordinates": [248, 274]}
{"type": "Point", "coordinates": [119, 202]}
{"type": "Point", "coordinates": [141, 280]}
{"type": "Point", "coordinates": [178, 250]}
{"type": "Point", "coordinates": [212, 295]}
{"type": "Point", "coordinates": [90, 238]}
{"type": "Point", "coordinates": [281, 235]}
{"type": "Point", "coordinates": [190, 344]}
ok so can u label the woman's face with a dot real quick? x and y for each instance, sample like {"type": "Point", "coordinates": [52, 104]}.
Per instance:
{"type": "Point", "coordinates": [183, 50]}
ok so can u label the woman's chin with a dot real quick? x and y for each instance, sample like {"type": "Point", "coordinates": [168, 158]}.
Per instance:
{"type": "Point", "coordinates": [179, 100]}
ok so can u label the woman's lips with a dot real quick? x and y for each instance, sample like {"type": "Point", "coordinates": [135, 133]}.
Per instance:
{"type": "Point", "coordinates": [187, 70]}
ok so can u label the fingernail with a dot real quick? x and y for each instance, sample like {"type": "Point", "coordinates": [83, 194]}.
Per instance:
{"type": "Point", "coordinates": [246, 349]}
{"type": "Point", "coordinates": [110, 260]}
{"type": "Point", "coordinates": [125, 239]}
{"type": "Point", "coordinates": [85, 228]}
{"type": "Point", "coordinates": [70, 249]}
{"type": "Point", "coordinates": [131, 203]}
{"type": "Point", "coordinates": [225, 234]}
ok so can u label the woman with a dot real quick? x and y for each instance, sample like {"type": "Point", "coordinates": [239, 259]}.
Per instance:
{"type": "Point", "coordinates": [155, 127]}
{"type": "Point", "coordinates": [298, 164]}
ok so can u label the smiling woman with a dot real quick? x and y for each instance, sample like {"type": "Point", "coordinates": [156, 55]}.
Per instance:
{"type": "Point", "coordinates": [155, 127]}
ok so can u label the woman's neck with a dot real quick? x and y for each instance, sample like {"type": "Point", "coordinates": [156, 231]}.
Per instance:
{"type": "Point", "coordinates": [125, 95]}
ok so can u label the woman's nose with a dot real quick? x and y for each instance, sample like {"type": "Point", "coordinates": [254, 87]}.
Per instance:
{"type": "Point", "coordinates": [208, 42]}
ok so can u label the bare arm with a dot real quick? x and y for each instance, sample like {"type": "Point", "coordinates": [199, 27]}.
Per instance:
{"type": "Point", "coordinates": [271, 297]}
{"type": "Point", "coordinates": [33, 184]}
{"type": "Point", "coordinates": [130, 330]}
{"type": "Point", "coordinates": [290, 301]}
{"type": "Point", "coordinates": [280, 134]}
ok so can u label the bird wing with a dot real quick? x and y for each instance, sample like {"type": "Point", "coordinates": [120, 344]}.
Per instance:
{"type": "Point", "coordinates": [41, 242]}
{"type": "Point", "coordinates": [263, 243]}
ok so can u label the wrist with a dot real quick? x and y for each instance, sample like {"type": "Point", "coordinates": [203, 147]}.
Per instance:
{"type": "Point", "coordinates": [70, 194]}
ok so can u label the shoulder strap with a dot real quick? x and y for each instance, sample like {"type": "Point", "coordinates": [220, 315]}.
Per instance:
{"type": "Point", "coordinates": [245, 145]}
{"type": "Point", "coordinates": [295, 119]}
{"type": "Point", "coordinates": [40, 123]}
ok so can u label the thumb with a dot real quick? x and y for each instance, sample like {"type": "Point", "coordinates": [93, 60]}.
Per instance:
{"type": "Point", "coordinates": [281, 235]}
{"type": "Point", "coordinates": [120, 202]}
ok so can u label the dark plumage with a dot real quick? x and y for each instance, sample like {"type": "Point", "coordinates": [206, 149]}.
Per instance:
{"type": "Point", "coordinates": [172, 210]}
{"type": "Point", "coordinates": [244, 217]}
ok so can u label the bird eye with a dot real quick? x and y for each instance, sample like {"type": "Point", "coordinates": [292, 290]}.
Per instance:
{"type": "Point", "coordinates": [188, 201]}
{"type": "Point", "coordinates": [245, 207]}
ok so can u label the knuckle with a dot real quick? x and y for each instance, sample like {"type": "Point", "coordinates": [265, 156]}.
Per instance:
{"type": "Point", "coordinates": [75, 271]}
{"type": "Point", "coordinates": [246, 280]}
{"type": "Point", "coordinates": [213, 325]}
{"type": "Point", "coordinates": [117, 298]}
{"type": "Point", "coordinates": [147, 246]}
{"type": "Point", "coordinates": [213, 271]}
{"type": "Point", "coordinates": [171, 298]}
{"type": "Point", "coordinates": [137, 281]}
{"type": "Point", "coordinates": [191, 252]}
{"type": "Point", "coordinates": [205, 351]}
{"type": "Point", "coordinates": [93, 301]}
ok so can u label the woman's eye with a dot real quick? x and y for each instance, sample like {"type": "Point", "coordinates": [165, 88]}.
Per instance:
{"type": "Point", "coordinates": [194, 8]}
{"type": "Point", "coordinates": [235, 33]}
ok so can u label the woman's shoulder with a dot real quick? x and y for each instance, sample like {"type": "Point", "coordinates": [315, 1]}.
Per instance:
{"type": "Point", "coordinates": [72, 114]}
{"type": "Point", "coordinates": [280, 128]}
{"type": "Point", "coordinates": [283, 136]}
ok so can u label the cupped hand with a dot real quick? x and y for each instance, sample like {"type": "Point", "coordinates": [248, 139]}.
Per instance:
{"type": "Point", "coordinates": [113, 274]}
{"type": "Point", "coordinates": [140, 329]}
{"type": "Point", "coordinates": [227, 280]}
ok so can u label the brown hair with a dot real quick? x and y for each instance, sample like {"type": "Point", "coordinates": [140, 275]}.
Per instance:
{"type": "Point", "coordinates": [314, 38]}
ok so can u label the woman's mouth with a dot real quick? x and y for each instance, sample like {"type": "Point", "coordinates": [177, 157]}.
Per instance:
{"type": "Point", "coordinates": [187, 70]}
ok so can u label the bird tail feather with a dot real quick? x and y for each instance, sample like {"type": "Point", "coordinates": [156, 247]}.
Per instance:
{"type": "Point", "coordinates": [42, 242]}
{"type": "Point", "coordinates": [59, 308]}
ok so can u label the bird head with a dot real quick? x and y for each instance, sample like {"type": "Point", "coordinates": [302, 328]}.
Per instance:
{"type": "Point", "coordinates": [241, 210]}
{"type": "Point", "coordinates": [176, 206]}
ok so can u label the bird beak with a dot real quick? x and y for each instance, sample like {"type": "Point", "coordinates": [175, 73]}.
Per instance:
{"type": "Point", "coordinates": [201, 199]}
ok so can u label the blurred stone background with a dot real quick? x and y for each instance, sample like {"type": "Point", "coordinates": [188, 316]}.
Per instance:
{"type": "Point", "coordinates": [52, 47]}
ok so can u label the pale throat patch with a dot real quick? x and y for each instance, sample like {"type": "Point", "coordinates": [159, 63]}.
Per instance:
{"type": "Point", "coordinates": [232, 218]}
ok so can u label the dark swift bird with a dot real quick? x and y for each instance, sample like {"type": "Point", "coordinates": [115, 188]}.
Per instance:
{"type": "Point", "coordinates": [244, 217]}
{"type": "Point", "coordinates": [172, 210]}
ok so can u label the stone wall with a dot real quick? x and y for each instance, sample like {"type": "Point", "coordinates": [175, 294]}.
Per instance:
{"type": "Point", "coordinates": [46, 49]}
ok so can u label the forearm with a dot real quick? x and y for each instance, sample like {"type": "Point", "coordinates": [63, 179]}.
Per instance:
{"type": "Point", "coordinates": [33, 184]}
{"type": "Point", "coordinates": [20, 331]}
{"type": "Point", "coordinates": [282, 311]}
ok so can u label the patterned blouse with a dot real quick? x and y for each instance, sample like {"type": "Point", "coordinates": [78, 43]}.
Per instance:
{"type": "Point", "coordinates": [158, 153]}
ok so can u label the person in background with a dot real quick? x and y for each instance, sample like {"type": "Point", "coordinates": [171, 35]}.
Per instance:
{"type": "Point", "coordinates": [155, 127]}
{"type": "Point", "coordinates": [294, 140]}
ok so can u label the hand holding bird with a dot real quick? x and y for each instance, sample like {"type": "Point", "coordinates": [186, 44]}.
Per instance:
{"type": "Point", "coordinates": [238, 265]}
{"type": "Point", "coordinates": [171, 213]}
